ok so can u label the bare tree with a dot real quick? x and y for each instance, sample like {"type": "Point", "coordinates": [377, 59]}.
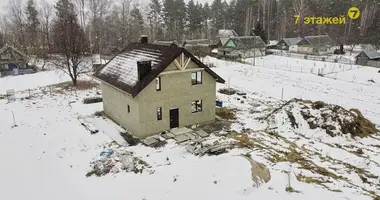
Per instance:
{"type": "Point", "coordinates": [69, 38]}
{"type": "Point", "coordinates": [17, 18]}
{"type": "Point", "coordinates": [82, 12]}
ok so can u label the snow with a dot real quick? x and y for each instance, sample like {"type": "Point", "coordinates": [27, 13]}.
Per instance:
{"type": "Point", "coordinates": [48, 153]}
{"type": "Point", "coordinates": [31, 81]}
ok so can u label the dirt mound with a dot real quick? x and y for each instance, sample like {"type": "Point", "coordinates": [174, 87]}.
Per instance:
{"type": "Point", "coordinates": [335, 119]}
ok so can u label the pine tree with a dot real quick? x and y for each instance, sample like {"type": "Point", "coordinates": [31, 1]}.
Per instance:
{"type": "Point", "coordinates": [155, 19]}
{"type": "Point", "coordinates": [191, 17]}
{"type": "Point", "coordinates": [180, 19]}
{"type": "Point", "coordinates": [168, 15]}
{"type": "Point", "coordinates": [137, 22]}
{"type": "Point", "coordinates": [32, 24]}
{"type": "Point", "coordinates": [259, 31]}
{"type": "Point", "coordinates": [217, 16]}
{"type": "Point", "coordinates": [206, 15]}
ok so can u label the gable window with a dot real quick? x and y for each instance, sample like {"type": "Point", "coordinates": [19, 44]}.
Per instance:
{"type": "Point", "coordinates": [196, 106]}
{"type": "Point", "coordinates": [158, 84]}
{"type": "Point", "coordinates": [159, 113]}
{"type": "Point", "coordinates": [128, 108]}
{"type": "Point", "coordinates": [196, 78]}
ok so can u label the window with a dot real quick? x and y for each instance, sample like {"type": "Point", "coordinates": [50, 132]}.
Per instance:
{"type": "Point", "coordinates": [196, 78]}
{"type": "Point", "coordinates": [159, 113]}
{"type": "Point", "coordinates": [158, 84]}
{"type": "Point", "coordinates": [196, 106]}
{"type": "Point", "coordinates": [129, 109]}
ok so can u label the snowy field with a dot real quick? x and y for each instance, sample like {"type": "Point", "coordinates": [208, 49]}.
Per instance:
{"type": "Point", "coordinates": [48, 153]}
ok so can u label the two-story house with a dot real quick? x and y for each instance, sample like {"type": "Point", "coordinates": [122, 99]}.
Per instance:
{"type": "Point", "coordinates": [149, 88]}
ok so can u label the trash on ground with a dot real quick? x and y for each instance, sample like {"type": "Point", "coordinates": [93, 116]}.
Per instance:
{"type": "Point", "coordinates": [115, 159]}
{"type": "Point", "coordinates": [90, 127]}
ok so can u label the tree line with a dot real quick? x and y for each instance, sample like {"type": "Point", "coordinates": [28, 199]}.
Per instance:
{"type": "Point", "coordinates": [38, 28]}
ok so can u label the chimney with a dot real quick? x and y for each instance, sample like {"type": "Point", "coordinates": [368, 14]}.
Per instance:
{"type": "Point", "coordinates": [144, 39]}
{"type": "Point", "coordinates": [143, 68]}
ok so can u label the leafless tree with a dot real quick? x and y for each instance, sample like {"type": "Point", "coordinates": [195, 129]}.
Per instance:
{"type": "Point", "coordinates": [70, 41]}
{"type": "Point", "coordinates": [17, 18]}
{"type": "Point", "coordinates": [81, 5]}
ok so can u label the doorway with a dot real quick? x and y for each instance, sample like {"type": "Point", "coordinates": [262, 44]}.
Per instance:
{"type": "Point", "coordinates": [174, 118]}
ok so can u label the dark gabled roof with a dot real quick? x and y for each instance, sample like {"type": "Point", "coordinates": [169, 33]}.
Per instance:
{"type": "Point", "coordinates": [248, 42]}
{"type": "Point", "coordinates": [291, 41]}
{"type": "Point", "coordinates": [121, 71]}
{"type": "Point", "coordinates": [197, 42]}
{"type": "Point", "coordinates": [166, 42]}
{"type": "Point", "coordinates": [323, 40]}
{"type": "Point", "coordinates": [371, 54]}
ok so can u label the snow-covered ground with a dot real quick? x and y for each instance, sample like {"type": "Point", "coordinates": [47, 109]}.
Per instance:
{"type": "Point", "coordinates": [48, 153]}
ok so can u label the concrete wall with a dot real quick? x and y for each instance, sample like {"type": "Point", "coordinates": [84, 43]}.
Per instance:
{"type": "Point", "coordinates": [176, 92]}
{"type": "Point", "coordinates": [115, 105]}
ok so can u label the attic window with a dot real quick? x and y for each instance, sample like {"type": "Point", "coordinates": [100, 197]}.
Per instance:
{"type": "Point", "coordinates": [196, 78]}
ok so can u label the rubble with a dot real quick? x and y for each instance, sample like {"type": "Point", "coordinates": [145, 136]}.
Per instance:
{"type": "Point", "coordinates": [199, 147]}
{"type": "Point", "coordinates": [115, 159]}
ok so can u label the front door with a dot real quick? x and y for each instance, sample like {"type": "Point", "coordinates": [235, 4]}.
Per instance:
{"type": "Point", "coordinates": [174, 118]}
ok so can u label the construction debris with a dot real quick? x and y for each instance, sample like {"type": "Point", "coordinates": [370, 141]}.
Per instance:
{"type": "Point", "coordinates": [90, 127]}
{"type": "Point", "coordinates": [198, 147]}
{"type": "Point", "coordinates": [115, 159]}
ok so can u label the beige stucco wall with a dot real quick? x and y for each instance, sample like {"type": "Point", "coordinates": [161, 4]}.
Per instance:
{"type": "Point", "coordinates": [115, 105]}
{"type": "Point", "coordinates": [176, 92]}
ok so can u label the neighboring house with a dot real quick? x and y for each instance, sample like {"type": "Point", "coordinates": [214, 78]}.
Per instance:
{"type": "Point", "coordinates": [288, 44]}
{"type": "Point", "coordinates": [368, 58]}
{"type": "Point", "coordinates": [242, 47]}
{"type": "Point", "coordinates": [198, 47]}
{"type": "Point", "coordinates": [98, 61]}
{"type": "Point", "coordinates": [225, 33]}
{"type": "Point", "coordinates": [10, 59]}
{"type": "Point", "coordinates": [316, 45]}
{"type": "Point", "coordinates": [166, 42]}
{"type": "Point", "coordinates": [150, 88]}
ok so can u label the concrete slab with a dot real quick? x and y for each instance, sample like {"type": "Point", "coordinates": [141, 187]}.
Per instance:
{"type": "Point", "coordinates": [202, 133]}
{"type": "Point", "coordinates": [179, 131]}
{"type": "Point", "coordinates": [150, 141]}
{"type": "Point", "coordinates": [167, 135]}
{"type": "Point", "coordinates": [192, 135]}
{"type": "Point", "coordinates": [181, 138]}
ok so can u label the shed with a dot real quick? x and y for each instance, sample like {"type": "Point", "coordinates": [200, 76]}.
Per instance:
{"type": "Point", "coordinates": [368, 58]}
{"type": "Point", "coordinates": [10, 59]}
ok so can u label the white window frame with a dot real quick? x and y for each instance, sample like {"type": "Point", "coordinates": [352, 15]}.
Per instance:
{"type": "Point", "coordinates": [196, 106]}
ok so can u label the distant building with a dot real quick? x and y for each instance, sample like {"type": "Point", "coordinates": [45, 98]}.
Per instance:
{"type": "Point", "coordinates": [225, 33]}
{"type": "Point", "coordinates": [288, 44]}
{"type": "Point", "coordinates": [242, 47]}
{"type": "Point", "coordinates": [368, 58]}
{"type": "Point", "coordinates": [166, 42]}
{"type": "Point", "coordinates": [316, 45]}
{"type": "Point", "coordinates": [198, 47]}
{"type": "Point", "coordinates": [12, 59]}
{"type": "Point", "coordinates": [149, 88]}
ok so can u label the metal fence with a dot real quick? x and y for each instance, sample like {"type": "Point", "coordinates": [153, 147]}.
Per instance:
{"type": "Point", "coordinates": [325, 58]}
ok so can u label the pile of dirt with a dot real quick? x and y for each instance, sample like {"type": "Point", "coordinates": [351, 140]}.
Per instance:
{"type": "Point", "coordinates": [115, 159]}
{"type": "Point", "coordinates": [226, 113]}
{"type": "Point", "coordinates": [335, 119]}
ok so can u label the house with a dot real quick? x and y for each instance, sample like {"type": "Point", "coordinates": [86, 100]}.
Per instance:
{"type": "Point", "coordinates": [242, 47]}
{"type": "Point", "coordinates": [288, 44]}
{"type": "Point", "coordinates": [11, 59]}
{"type": "Point", "coordinates": [316, 45]}
{"type": "Point", "coordinates": [166, 42]}
{"type": "Point", "coordinates": [150, 88]}
{"type": "Point", "coordinates": [225, 33]}
{"type": "Point", "coordinates": [98, 61]}
{"type": "Point", "coordinates": [368, 58]}
{"type": "Point", "coordinates": [198, 47]}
